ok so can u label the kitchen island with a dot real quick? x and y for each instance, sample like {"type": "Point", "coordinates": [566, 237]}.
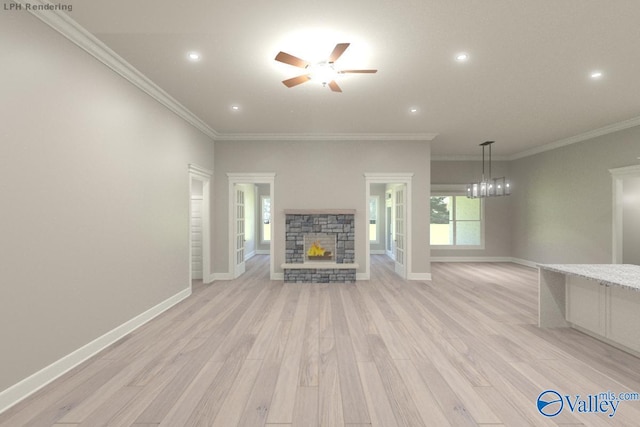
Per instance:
{"type": "Point", "coordinates": [602, 300]}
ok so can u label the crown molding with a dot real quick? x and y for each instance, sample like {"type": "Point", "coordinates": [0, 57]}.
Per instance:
{"type": "Point", "coordinates": [69, 28]}
{"type": "Point", "coordinates": [605, 130]}
{"type": "Point", "coordinates": [326, 137]}
{"type": "Point", "coordinates": [466, 158]}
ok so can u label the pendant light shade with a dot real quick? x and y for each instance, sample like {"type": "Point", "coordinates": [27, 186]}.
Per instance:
{"type": "Point", "coordinates": [488, 187]}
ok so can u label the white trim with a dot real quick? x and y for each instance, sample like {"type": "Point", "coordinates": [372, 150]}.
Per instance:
{"type": "Point", "coordinates": [466, 158]}
{"type": "Point", "coordinates": [326, 136]}
{"type": "Point", "coordinates": [35, 382]}
{"type": "Point", "coordinates": [585, 136]}
{"type": "Point", "coordinates": [249, 255]}
{"type": "Point", "coordinates": [363, 276]}
{"type": "Point", "coordinates": [403, 178]}
{"type": "Point", "coordinates": [277, 276]}
{"type": "Point", "coordinates": [605, 130]}
{"type": "Point", "coordinates": [618, 175]}
{"type": "Point", "coordinates": [470, 259]}
{"type": "Point", "coordinates": [203, 175]}
{"type": "Point", "coordinates": [249, 178]}
{"type": "Point", "coordinates": [377, 251]}
{"type": "Point", "coordinates": [73, 31]}
{"type": "Point", "coordinates": [262, 251]}
{"type": "Point", "coordinates": [419, 276]}
{"type": "Point", "coordinates": [519, 261]}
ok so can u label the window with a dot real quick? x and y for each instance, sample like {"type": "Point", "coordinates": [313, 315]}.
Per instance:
{"type": "Point", "coordinates": [373, 219]}
{"type": "Point", "coordinates": [265, 219]}
{"type": "Point", "coordinates": [456, 221]}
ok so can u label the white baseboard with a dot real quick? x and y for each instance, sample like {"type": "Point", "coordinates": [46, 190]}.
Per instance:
{"type": "Point", "coordinates": [249, 255]}
{"type": "Point", "coordinates": [378, 252]}
{"type": "Point", "coordinates": [35, 382]}
{"type": "Point", "coordinates": [485, 259]}
{"type": "Point", "coordinates": [277, 276]}
{"type": "Point", "coordinates": [525, 262]}
{"type": "Point", "coordinates": [470, 259]}
{"type": "Point", "coordinates": [262, 252]}
{"type": "Point", "coordinates": [419, 276]}
{"type": "Point", "coordinates": [363, 276]}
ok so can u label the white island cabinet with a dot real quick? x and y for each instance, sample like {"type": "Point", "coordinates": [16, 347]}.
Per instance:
{"type": "Point", "coordinates": [602, 300]}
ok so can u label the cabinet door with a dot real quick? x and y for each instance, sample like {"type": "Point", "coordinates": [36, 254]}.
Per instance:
{"type": "Point", "coordinates": [586, 304]}
{"type": "Point", "coordinates": [623, 324]}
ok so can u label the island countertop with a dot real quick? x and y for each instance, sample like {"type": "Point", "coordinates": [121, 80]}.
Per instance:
{"type": "Point", "coordinates": [624, 275]}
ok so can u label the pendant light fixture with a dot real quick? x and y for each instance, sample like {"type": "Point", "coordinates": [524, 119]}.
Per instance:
{"type": "Point", "coordinates": [488, 187]}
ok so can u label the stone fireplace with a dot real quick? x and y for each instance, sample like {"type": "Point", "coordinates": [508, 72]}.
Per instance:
{"type": "Point", "coordinates": [320, 246]}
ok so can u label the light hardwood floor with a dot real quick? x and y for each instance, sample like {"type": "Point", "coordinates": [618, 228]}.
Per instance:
{"type": "Point", "coordinates": [461, 350]}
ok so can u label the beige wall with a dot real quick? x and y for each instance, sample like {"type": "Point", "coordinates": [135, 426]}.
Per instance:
{"type": "Point", "coordinates": [323, 174]}
{"type": "Point", "coordinates": [497, 210]}
{"type": "Point", "coordinates": [562, 199]}
{"type": "Point", "coordinates": [95, 191]}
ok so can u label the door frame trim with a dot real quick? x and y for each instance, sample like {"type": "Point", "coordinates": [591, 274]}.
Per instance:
{"type": "Point", "coordinates": [250, 178]}
{"type": "Point", "coordinates": [389, 178]}
{"type": "Point", "coordinates": [204, 175]}
{"type": "Point", "coordinates": [618, 175]}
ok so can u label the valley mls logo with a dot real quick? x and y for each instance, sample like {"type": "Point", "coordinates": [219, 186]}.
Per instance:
{"type": "Point", "coordinates": [550, 403]}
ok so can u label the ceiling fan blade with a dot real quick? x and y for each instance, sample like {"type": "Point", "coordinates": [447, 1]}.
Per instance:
{"type": "Point", "coordinates": [357, 71]}
{"type": "Point", "coordinates": [291, 60]}
{"type": "Point", "coordinates": [295, 81]}
{"type": "Point", "coordinates": [338, 51]}
{"type": "Point", "coordinates": [334, 86]}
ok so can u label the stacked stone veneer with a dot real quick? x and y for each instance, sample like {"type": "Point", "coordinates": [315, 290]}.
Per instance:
{"type": "Point", "coordinates": [342, 225]}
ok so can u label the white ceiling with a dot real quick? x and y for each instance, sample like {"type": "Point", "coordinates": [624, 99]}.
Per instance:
{"type": "Point", "coordinates": [525, 85]}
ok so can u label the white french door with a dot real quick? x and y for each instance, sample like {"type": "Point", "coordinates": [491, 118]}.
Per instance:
{"type": "Point", "coordinates": [400, 233]}
{"type": "Point", "coordinates": [240, 232]}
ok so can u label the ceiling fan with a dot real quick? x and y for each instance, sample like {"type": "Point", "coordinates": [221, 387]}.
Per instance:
{"type": "Point", "coordinates": [322, 71]}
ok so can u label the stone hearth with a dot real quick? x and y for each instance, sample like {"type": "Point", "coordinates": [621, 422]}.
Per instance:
{"type": "Point", "coordinates": [339, 267]}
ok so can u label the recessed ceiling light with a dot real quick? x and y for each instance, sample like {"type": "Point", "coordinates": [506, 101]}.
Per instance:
{"type": "Point", "coordinates": [462, 57]}
{"type": "Point", "coordinates": [194, 56]}
{"type": "Point", "coordinates": [596, 75]}
{"type": "Point", "coordinates": [413, 110]}
{"type": "Point", "coordinates": [235, 107]}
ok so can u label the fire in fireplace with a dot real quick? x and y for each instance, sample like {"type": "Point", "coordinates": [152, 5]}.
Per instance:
{"type": "Point", "coordinates": [319, 247]}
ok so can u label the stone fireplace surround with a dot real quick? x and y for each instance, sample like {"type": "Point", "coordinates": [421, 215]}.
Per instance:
{"type": "Point", "coordinates": [339, 222]}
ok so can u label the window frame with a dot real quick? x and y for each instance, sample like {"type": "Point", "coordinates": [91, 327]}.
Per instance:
{"type": "Point", "coordinates": [456, 191]}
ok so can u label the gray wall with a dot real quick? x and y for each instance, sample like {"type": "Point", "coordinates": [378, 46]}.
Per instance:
{"type": "Point", "coordinates": [562, 199]}
{"type": "Point", "coordinates": [497, 210]}
{"type": "Point", "coordinates": [95, 191]}
{"type": "Point", "coordinates": [323, 174]}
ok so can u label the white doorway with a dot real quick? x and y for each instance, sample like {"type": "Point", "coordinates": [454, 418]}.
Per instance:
{"type": "Point", "coordinates": [626, 215]}
{"type": "Point", "coordinates": [240, 220]}
{"type": "Point", "coordinates": [400, 235]}
{"type": "Point", "coordinates": [196, 232]}
{"type": "Point", "coordinates": [398, 218]}
{"type": "Point", "coordinates": [240, 231]}
{"type": "Point", "coordinates": [199, 224]}
{"type": "Point", "coordinates": [388, 220]}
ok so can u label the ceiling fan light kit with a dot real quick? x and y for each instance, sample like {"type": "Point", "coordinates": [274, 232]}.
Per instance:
{"type": "Point", "coordinates": [324, 71]}
{"type": "Point", "coordinates": [488, 187]}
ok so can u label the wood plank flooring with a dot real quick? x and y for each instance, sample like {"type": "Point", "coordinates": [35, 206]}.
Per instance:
{"type": "Point", "coordinates": [462, 350]}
